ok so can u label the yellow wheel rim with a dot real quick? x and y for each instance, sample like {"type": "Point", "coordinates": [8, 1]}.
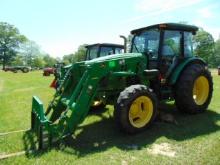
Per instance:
{"type": "Point", "coordinates": [141, 111]}
{"type": "Point", "coordinates": [201, 90]}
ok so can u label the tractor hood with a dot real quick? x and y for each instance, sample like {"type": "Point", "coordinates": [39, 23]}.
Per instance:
{"type": "Point", "coordinates": [113, 57]}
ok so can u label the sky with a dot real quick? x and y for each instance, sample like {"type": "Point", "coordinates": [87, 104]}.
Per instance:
{"type": "Point", "coordinates": [60, 26]}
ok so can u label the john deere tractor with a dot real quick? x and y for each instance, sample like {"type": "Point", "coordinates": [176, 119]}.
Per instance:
{"type": "Point", "coordinates": [161, 66]}
{"type": "Point", "coordinates": [102, 49]}
{"type": "Point", "coordinates": [92, 51]}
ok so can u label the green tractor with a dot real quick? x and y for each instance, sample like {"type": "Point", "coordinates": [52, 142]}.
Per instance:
{"type": "Point", "coordinates": [92, 51]}
{"type": "Point", "coordinates": [160, 66]}
{"type": "Point", "coordinates": [102, 49]}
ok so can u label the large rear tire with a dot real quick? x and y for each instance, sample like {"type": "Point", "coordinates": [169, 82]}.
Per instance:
{"type": "Point", "coordinates": [135, 109]}
{"type": "Point", "coordinates": [194, 89]}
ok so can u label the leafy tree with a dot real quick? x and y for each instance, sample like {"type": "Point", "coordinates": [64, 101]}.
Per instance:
{"type": "Point", "coordinates": [80, 54]}
{"type": "Point", "coordinates": [217, 53]}
{"type": "Point", "coordinates": [10, 41]}
{"type": "Point", "coordinates": [49, 61]}
{"type": "Point", "coordinates": [204, 46]}
{"type": "Point", "coordinates": [30, 50]}
{"type": "Point", "coordinates": [68, 59]}
{"type": "Point", "coordinates": [38, 62]}
{"type": "Point", "coordinates": [18, 60]}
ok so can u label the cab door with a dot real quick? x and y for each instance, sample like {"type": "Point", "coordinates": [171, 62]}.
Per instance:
{"type": "Point", "coordinates": [171, 51]}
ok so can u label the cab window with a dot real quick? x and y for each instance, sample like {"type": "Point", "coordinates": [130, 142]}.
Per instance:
{"type": "Point", "coordinates": [93, 52]}
{"type": "Point", "coordinates": [188, 45]}
{"type": "Point", "coordinates": [147, 42]}
{"type": "Point", "coordinates": [119, 50]}
{"type": "Point", "coordinates": [171, 43]}
{"type": "Point", "coordinates": [87, 54]}
{"type": "Point", "coordinates": [106, 51]}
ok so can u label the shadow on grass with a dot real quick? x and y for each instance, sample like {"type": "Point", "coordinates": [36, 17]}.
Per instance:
{"type": "Point", "coordinates": [31, 145]}
{"type": "Point", "coordinates": [102, 135]}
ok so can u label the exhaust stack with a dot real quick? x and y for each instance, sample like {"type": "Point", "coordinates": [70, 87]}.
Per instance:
{"type": "Point", "coordinates": [125, 42]}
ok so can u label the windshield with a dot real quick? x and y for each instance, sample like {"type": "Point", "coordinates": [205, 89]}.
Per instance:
{"type": "Point", "coordinates": [106, 51]}
{"type": "Point", "coordinates": [119, 50]}
{"type": "Point", "coordinates": [92, 53]}
{"type": "Point", "coordinates": [147, 42]}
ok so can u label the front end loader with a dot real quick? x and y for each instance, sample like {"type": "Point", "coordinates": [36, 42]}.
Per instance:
{"type": "Point", "coordinates": [160, 66]}
{"type": "Point", "coordinates": [74, 96]}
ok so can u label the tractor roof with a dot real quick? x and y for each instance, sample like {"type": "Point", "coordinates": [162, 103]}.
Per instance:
{"type": "Point", "coordinates": [106, 44]}
{"type": "Point", "coordinates": [169, 26]}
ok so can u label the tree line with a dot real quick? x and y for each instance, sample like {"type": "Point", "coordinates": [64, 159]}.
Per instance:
{"type": "Point", "coordinates": [17, 49]}
{"type": "Point", "coordinates": [206, 48]}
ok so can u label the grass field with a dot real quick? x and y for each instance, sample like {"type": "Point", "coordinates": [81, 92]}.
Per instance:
{"type": "Point", "coordinates": [194, 140]}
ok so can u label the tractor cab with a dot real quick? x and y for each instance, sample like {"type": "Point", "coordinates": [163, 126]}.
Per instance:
{"type": "Point", "coordinates": [100, 50]}
{"type": "Point", "coordinates": [165, 45]}
{"type": "Point", "coordinates": [92, 51]}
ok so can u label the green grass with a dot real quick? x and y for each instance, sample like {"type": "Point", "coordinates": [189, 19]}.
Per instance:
{"type": "Point", "coordinates": [195, 140]}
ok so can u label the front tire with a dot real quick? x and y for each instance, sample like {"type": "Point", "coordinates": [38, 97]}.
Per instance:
{"type": "Point", "coordinates": [135, 109]}
{"type": "Point", "coordinates": [25, 70]}
{"type": "Point", "coordinates": [194, 89]}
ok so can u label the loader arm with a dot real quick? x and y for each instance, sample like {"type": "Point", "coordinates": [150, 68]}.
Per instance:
{"type": "Point", "coordinates": [63, 122]}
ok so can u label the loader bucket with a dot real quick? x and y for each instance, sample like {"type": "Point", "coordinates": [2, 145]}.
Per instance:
{"type": "Point", "coordinates": [40, 125]}
{"type": "Point", "coordinates": [68, 108]}
{"type": "Point", "coordinates": [38, 111]}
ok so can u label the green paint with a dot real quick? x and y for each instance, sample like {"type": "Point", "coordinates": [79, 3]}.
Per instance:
{"type": "Point", "coordinates": [111, 64]}
{"type": "Point", "coordinates": [177, 72]}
